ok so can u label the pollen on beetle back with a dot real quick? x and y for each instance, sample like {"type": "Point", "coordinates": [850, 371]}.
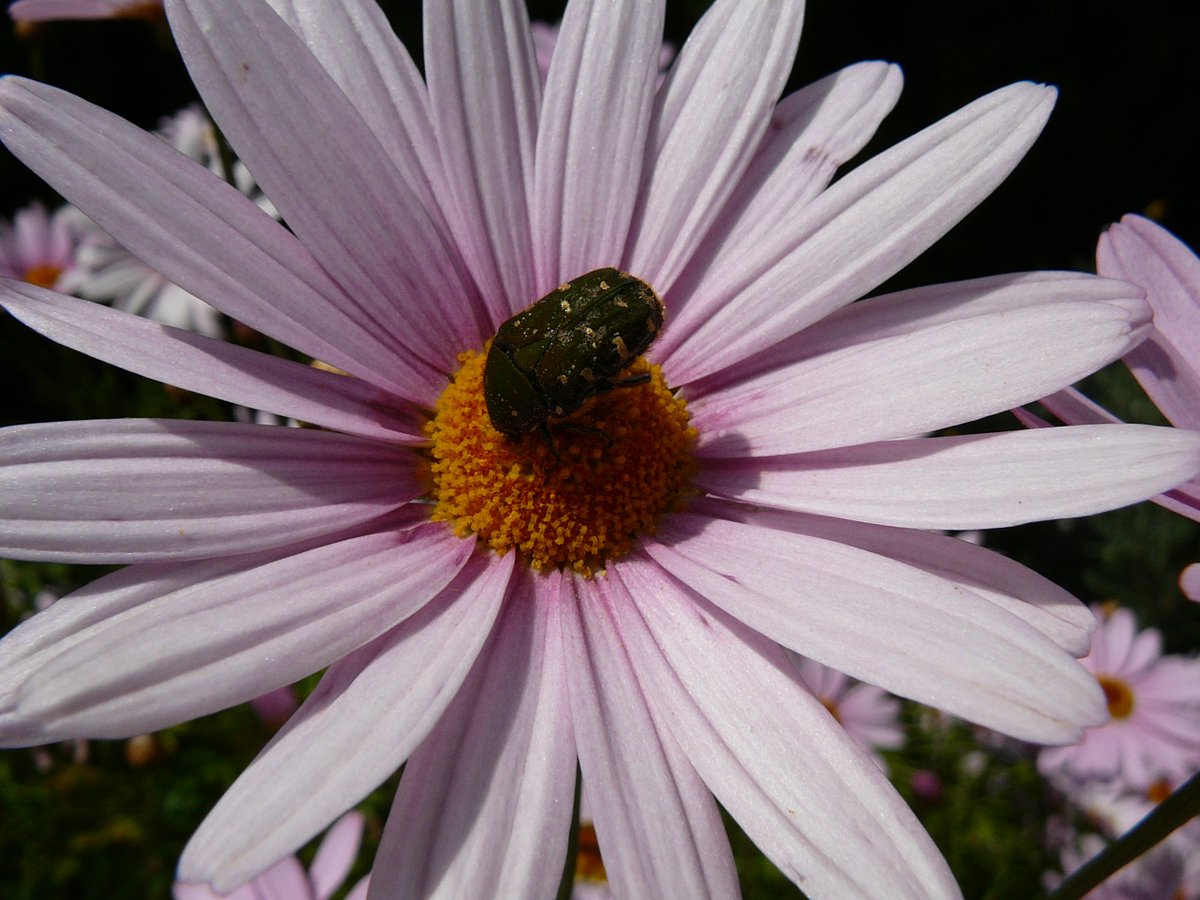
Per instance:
{"type": "Point", "coordinates": [624, 459]}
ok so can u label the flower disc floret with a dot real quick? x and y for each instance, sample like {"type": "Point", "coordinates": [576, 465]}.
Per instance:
{"type": "Point", "coordinates": [1118, 695]}
{"type": "Point", "coordinates": [615, 467]}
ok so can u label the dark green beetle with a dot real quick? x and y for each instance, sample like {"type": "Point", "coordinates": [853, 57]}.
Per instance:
{"type": "Point", "coordinates": [569, 346]}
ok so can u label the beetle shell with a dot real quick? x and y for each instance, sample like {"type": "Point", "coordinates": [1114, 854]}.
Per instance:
{"type": "Point", "coordinates": [547, 360]}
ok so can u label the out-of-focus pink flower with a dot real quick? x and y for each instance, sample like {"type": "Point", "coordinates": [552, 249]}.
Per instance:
{"type": "Point", "coordinates": [38, 248]}
{"type": "Point", "coordinates": [869, 714]}
{"type": "Point", "coordinates": [274, 707]}
{"type": "Point", "coordinates": [1154, 705]}
{"type": "Point", "coordinates": [926, 785]}
{"type": "Point", "coordinates": [49, 10]}
{"type": "Point", "coordinates": [1189, 582]}
{"type": "Point", "coordinates": [636, 636]}
{"type": "Point", "coordinates": [287, 880]}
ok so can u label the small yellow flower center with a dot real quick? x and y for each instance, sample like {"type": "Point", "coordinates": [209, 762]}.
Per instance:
{"type": "Point", "coordinates": [623, 460]}
{"type": "Point", "coordinates": [589, 867]}
{"type": "Point", "coordinates": [1158, 791]}
{"type": "Point", "coordinates": [1118, 695]}
{"type": "Point", "coordinates": [44, 275]}
{"type": "Point", "coordinates": [832, 709]}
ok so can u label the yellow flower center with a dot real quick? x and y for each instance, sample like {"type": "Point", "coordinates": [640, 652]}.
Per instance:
{"type": "Point", "coordinates": [1118, 695]}
{"type": "Point", "coordinates": [589, 867]}
{"type": "Point", "coordinates": [623, 460]}
{"type": "Point", "coordinates": [44, 275]}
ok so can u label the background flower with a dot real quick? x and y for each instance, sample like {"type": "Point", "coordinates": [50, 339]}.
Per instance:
{"type": "Point", "coordinates": [39, 247]}
{"type": "Point", "coordinates": [1154, 704]}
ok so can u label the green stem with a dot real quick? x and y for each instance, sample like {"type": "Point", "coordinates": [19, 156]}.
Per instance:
{"type": "Point", "coordinates": [1173, 812]}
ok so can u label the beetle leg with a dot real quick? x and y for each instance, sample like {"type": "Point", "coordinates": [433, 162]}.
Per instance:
{"type": "Point", "coordinates": [632, 380]}
{"type": "Point", "coordinates": [550, 445]}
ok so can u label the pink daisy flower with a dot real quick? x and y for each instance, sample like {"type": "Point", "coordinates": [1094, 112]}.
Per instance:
{"type": "Point", "coordinates": [869, 714]}
{"type": "Point", "coordinates": [287, 879]}
{"type": "Point", "coordinates": [491, 614]}
{"type": "Point", "coordinates": [1154, 707]}
{"type": "Point", "coordinates": [38, 247]}
{"type": "Point", "coordinates": [49, 10]}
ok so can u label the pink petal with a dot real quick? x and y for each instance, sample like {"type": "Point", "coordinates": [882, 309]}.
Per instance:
{"type": "Point", "coordinates": [329, 177]}
{"type": "Point", "coordinates": [371, 709]}
{"type": "Point", "coordinates": [484, 94]}
{"type": "Point", "coordinates": [969, 481]}
{"type": "Point", "coordinates": [965, 344]}
{"type": "Point", "coordinates": [811, 799]}
{"type": "Point", "coordinates": [335, 857]}
{"type": "Point", "coordinates": [1168, 364]}
{"type": "Point", "coordinates": [1189, 582]}
{"type": "Point", "coordinates": [1074, 408]}
{"type": "Point", "coordinates": [592, 135]}
{"type": "Point", "coordinates": [812, 132]}
{"type": "Point", "coordinates": [860, 231]}
{"type": "Point", "coordinates": [356, 46]}
{"type": "Point", "coordinates": [213, 367]}
{"type": "Point", "coordinates": [48, 10]}
{"type": "Point", "coordinates": [708, 119]}
{"type": "Point", "coordinates": [902, 628]}
{"type": "Point", "coordinates": [999, 580]}
{"type": "Point", "coordinates": [195, 229]}
{"type": "Point", "coordinates": [234, 635]}
{"type": "Point", "coordinates": [483, 809]}
{"type": "Point", "coordinates": [139, 490]}
{"type": "Point", "coordinates": [660, 832]}
{"type": "Point", "coordinates": [285, 880]}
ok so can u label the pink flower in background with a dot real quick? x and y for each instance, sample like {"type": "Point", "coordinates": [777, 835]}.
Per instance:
{"type": "Point", "coordinates": [287, 880]}
{"type": "Point", "coordinates": [38, 248]}
{"type": "Point", "coordinates": [651, 647]}
{"type": "Point", "coordinates": [1154, 704]}
{"type": "Point", "coordinates": [1189, 582]}
{"type": "Point", "coordinates": [49, 10]}
{"type": "Point", "coordinates": [869, 714]}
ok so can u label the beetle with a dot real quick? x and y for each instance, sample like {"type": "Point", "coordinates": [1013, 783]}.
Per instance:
{"type": "Point", "coordinates": [568, 346]}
